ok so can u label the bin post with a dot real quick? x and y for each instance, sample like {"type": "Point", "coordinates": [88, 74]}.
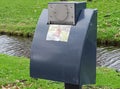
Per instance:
{"type": "Point", "coordinates": [71, 86]}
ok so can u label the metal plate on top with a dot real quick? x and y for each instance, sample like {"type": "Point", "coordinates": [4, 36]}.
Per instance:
{"type": "Point", "coordinates": [59, 13]}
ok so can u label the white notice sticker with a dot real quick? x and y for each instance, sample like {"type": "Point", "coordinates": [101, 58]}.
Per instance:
{"type": "Point", "coordinates": [58, 33]}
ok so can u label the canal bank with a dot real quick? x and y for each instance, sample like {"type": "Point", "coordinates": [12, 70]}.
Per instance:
{"type": "Point", "coordinates": [17, 21]}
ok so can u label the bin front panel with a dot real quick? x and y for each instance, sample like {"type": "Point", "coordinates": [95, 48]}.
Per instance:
{"type": "Point", "coordinates": [57, 60]}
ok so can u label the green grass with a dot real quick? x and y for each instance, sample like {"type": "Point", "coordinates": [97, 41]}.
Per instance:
{"type": "Point", "coordinates": [19, 17]}
{"type": "Point", "coordinates": [108, 21]}
{"type": "Point", "coordinates": [14, 72]}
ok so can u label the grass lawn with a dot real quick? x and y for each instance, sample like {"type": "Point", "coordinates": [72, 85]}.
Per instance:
{"type": "Point", "coordinates": [19, 17]}
{"type": "Point", "coordinates": [14, 74]}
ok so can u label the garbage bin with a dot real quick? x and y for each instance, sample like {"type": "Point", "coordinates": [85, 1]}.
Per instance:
{"type": "Point", "coordinates": [64, 44]}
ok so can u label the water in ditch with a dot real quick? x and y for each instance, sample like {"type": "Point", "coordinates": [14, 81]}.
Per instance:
{"type": "Point", "coordinates": [15, 46]}
{"type": "Point", "coordinates": [18, 46]}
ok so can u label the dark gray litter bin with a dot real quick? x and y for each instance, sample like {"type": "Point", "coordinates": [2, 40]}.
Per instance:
{"type": "Point", "coordinates": [64, 49]}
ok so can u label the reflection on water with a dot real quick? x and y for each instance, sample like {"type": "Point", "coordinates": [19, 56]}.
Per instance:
{"type": "Point", "coordinates": [108, 57]}
{"type": "Point", "coordinates": [15, 46]}
{"type": "Point", "coordinates": [18, 46]}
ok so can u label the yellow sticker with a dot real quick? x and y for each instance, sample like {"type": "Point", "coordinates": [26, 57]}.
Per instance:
{"type": "Point", "coordinates": [58, 33]}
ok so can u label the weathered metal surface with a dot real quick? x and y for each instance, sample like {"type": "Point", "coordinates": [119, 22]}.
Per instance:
{"type": "Point", "coordinates": [72, 62]}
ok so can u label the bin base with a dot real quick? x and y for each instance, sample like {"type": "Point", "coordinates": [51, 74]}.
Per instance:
{"type": "Point", "coordinates": [72, 86]}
